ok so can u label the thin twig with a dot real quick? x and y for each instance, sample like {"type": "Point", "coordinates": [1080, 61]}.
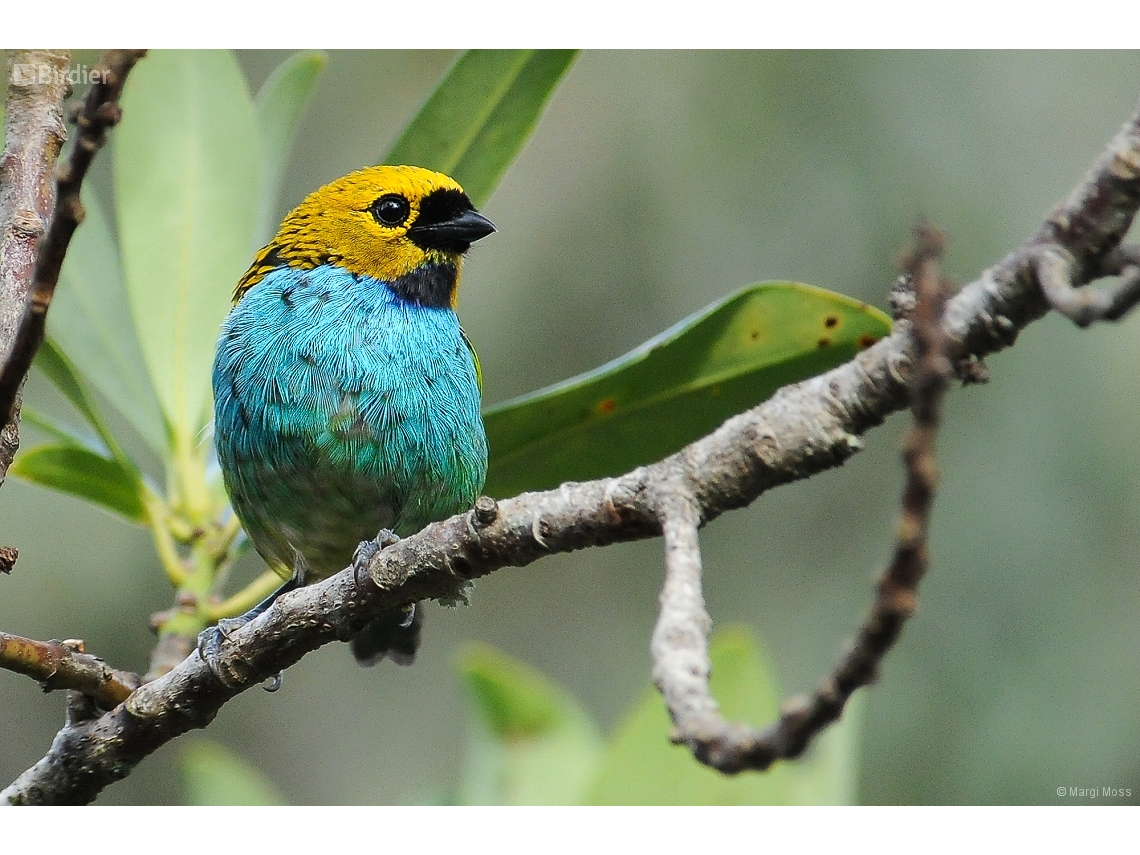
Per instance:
{"type": "Point", "coordinates": [680, 641]}
{"type": "Point", "coordinates": [802, 430]}
{"type": "Point", "coordinates": [66, 665]}
{"type": "Point", "coordinates": [98, 112]}
{"type": "Point", "coordinates": [896, 600]}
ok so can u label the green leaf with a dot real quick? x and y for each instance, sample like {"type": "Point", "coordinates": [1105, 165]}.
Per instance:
{"type": "Point", "coordinates": [186, 176]}
{"type": "Point", "coordinates": [62, 432]}
{"type": "Point", "coordinates": [63, 374]}
{"type": "Point", "coordinates": [676, 387]}
{"type": "Point", "coordinates": [214, 775]}
{"type": "Point", "coordinates": [532, 742]}
{"type": "Point", "coordinates": [90, 317]}
{"type": "Point", "coordinates": [86, 474]}
{"type": "Point", "coordinates": [55, 365]}
{"type": "Point", "coordinates": [279, 107]}
{"type": "Point", "coordinates": [641, 766]}
{"type": "Point", "coordinates": [480, 114]}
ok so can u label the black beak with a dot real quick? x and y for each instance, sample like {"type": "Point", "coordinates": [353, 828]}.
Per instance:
{"type": "Point", "coordinates": [454, 234]}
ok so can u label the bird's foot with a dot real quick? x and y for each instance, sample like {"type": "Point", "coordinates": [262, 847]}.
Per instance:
{"type": "Point", "coordinates": [210, 642]}
{"type": "Point", "coordinates": [366, 550]}
{"type": "Point", "coordinates": [210, 639]}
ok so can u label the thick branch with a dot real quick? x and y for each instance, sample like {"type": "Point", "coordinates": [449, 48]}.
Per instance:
{"type": "Point", "coordinates": [804, 429]}
{"type": "Point", "coordinates": [33, 136]}
{"type": "Point", "coordinates": [98, 112]}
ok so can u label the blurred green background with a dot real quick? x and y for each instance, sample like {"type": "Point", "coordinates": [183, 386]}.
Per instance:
{"type": "Point", "coordinates": [655, 183]}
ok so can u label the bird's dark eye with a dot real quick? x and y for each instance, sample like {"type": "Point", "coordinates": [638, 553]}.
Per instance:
{"type": "Point", "coordinates": [391, 210]}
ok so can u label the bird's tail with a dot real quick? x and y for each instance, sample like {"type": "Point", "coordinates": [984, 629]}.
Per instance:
{"type": "Point", "coordinates": [394, 634]}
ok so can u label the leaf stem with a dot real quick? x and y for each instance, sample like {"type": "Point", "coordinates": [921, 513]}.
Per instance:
{"type": "Point", "coordinates": [190, 493]}
{"type": "Point", "coordinates": [159, 519]}
{"type": "Point", "coordinates": [246, 598]}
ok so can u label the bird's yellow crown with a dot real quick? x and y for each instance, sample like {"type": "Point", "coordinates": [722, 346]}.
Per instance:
{"type": "Point", "coordinates": [361, 222]}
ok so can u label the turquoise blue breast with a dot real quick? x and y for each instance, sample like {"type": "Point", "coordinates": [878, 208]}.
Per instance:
{"type": "Point", "coordinates": [342, 409]}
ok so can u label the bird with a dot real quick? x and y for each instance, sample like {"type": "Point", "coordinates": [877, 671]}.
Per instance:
{"type": "Point", "coordinates": [346, 393]}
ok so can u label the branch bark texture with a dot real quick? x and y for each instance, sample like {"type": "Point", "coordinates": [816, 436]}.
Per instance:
{"type": "Point", "coordinates": [98, 112]}
{"type": "Point", "coordinates": [804, 429]}
{"type": "Point", "coordinates": [67, 665]}
{"type": "Point", "coordinates": [33, 136]}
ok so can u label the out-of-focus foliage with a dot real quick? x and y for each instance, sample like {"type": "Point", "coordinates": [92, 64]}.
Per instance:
{"type": "Point", "coordinates": [477, 120]}
{"type": "Point", "coordinates": [532, 743]}
{"type": "Point", "coordinates": [214, 775]}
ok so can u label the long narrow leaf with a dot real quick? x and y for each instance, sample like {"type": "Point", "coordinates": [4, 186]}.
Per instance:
{"type": "Point", "coordinates": [676, 387]}
{"type": "Point", "coordinates": [91, 320]}
{"type": "Point", "coordinates": [62, 432]}
{"type": "Point", "coordinates": [61, 371]}
{"type": "Point", "coordinates": [279, 107]}
{"type": "Point", "coordinates": [480, 114]}
{"type": "Point", "coordinates": [186, 184]}
{"type": "Point", "coordinates": [83, 473]}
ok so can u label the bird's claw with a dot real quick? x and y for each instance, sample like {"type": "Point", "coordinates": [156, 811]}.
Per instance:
{"type": "Point", "coordinates": [209, 645]}
{"type": "Point", "coordinates": [210, 642]}
{"type": "Point", "coordinates": [369, 548]}
{"type": "Point", "coordinates": [409, 615]}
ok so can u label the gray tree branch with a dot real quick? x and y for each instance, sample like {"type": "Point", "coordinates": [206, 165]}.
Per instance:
{"type": "Point", "coordinates": [31, 257]}
{"type": "Point", "coordinates": [804, 429]}
{"type": "Point", "coordinates": [33, 136]}
{"type": "Point", "coordinates": [98, 112]}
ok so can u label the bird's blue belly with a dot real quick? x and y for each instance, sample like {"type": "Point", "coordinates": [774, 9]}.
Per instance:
{"type": "Point", "coordinates": [341, 409]}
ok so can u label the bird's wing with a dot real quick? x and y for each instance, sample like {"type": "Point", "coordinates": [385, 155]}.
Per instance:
{"type": "Point", "coordinates": [474, 357]}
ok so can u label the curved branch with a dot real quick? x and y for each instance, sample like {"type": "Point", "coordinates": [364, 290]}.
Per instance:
{"type": "Point", "coordinates": [802, 430]}
{"type": "Point", "coordinates": [1054, 269]}
{"type": "Point", "coordinates": [680, 644]}
{"type": "Point", "coordinates": [680, 640]}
